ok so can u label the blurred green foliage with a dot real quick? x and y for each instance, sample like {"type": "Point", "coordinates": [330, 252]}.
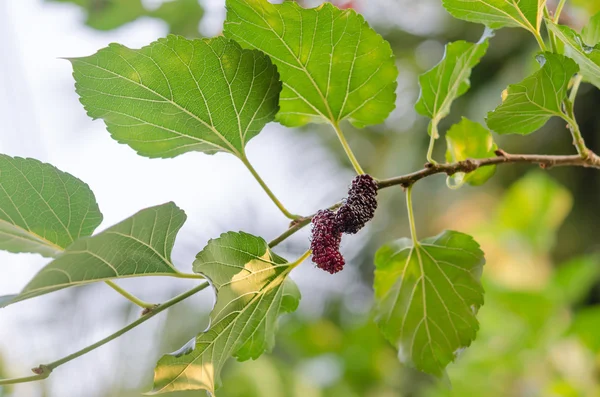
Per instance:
{"type": "Point", "coordinates": [182, 16]}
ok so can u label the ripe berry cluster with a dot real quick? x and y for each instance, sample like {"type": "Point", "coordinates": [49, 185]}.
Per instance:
{"type": "Point", "coordinates": [328, 226]}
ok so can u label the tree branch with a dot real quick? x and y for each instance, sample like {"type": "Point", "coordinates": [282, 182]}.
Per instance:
{"type": "Point", "coordinates": [44, 371]}
{"type": "Point", "coordinates": [466, 166]}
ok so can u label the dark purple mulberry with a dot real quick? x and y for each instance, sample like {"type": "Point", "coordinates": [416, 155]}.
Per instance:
{"type": "Point", "coordinates": [325, 242]}
{"type": "Point", "coordinates": [359, 208]}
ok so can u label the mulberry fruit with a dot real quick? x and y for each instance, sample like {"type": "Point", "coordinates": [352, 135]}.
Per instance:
{"type": "Point", "coordinates": [325, 242]}
{"type": "Point", "coordinates": [359, 208]}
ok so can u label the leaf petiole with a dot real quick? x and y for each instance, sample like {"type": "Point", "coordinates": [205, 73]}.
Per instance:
{"type": "Point", "coordinates": [135, 300]}
{"type": "Point", "coordinates": [347, 149]}
{"type": "Point", "coordinates": [266, 188]}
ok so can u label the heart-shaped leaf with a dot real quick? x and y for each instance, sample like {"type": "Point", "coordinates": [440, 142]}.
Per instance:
{"type": "Point", "coordinates": [588, 58]}
{"type": "Point", "coordinates": [470, 140]}
{"type": "Point", "coordinates": [526, 14]}
{"type": "Point", "coordinates": [427, 296]}
{"type": "Point", "coordinates": [138, 246]}
{"type": "Point", "coordinates": [42, 209]}
{"type": "Point", "coordinates": [253, 289]}
{"type": "Point", "coordinates": [333, 66]}
{"type": "Point", "coordinates": [177, 95]}
{"type": "Point", "coordinates": [529, 104]}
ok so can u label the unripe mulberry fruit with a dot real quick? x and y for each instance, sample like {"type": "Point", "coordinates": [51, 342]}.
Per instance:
{"type": "Point", "coordinates": [325, 242]}
{"type": "Point", "coordinates": [359, 208]}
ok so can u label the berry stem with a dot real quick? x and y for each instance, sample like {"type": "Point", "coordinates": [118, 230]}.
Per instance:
{"type": "Point", "coordinates": [135, 300]}
{"type": "Point", "coordinates": [347, 149]}
{"type": "Point", "coordinates": [266, 188]}
{"type": "Point", "coordinates": [411, 216]}
{"type": "Point", "coordinates": [300, 260]}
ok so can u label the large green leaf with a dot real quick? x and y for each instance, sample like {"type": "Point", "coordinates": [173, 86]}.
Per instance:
{"type": "Point", "coordinates": [138, 246]}
{"type": "Point", "coordinates": [497, 14]}
{"type": "Point", "coordinates": [177, 95]}
{"type": "Point", "coordinates": [333, 65]}
{"type": "Point", "coordinates": [42, 209]}
{"type": "Point", "coordinates": [591, 32]}
{"type": "Point", "coordinates": [529, 104]}
{"type": "Point", "coordinates": [427, 296]}
{"type": "Point", "coordinates": [252, 291]}
{"type": "Point", "coordinates": [588, 58]}
{"type": "Point", "coordinates": [449, 79]}
{"type": "Point", "coordinates": [469, 139]}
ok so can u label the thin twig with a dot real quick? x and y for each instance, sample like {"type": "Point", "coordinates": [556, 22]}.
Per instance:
{"type": "Point", "coordinates": [43, 371]}
{"type": "Point", "coordinates": [466, 166]}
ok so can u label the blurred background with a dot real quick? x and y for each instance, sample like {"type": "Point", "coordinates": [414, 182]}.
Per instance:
{"type": "Point", "coordinates": [540, 326]}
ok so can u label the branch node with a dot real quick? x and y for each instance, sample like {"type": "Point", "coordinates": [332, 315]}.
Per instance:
{"type": "Point", "coordinates": [429, 165]}
{"type": "Point", "coordinates": [42, 370]}
{"type": "Point", "coordinates": [500, 153]}
{"type": "Point", "coordinates": [148, 310]}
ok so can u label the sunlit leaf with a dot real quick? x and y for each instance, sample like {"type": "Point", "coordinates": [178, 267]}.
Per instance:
{"type": "Point", "coordinates": [591, 32]}
{"type": "Point", "coordinates": [469, 139]}
{"type": "Point", "coordinates": [42, 209]}
{"type": "Point", "coordinates": [588, 58]}
{"type": "Point", "coordinates": [177, 95]}
{"type": "Point", "coordinates": [253, 289]}
{"type": "Point", "coordinates": [497, 14]}
{"type": "Point", "coordinates": [449, 79]}
{"type": "Point", "coordinates": [427, 296]}
{"type": "Point", "coordinates": [532, 102]}
{"type": "Point", "coordinates": [138, 246]}
{"type": "Point", "coordinates": [333, 65]}
{"type": "Point", "coordinates": [533, 209]}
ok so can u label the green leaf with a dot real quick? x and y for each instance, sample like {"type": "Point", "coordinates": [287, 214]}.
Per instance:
{"type": "Point", "coordinates": [449, 79]}
{"type": "Point", "coordinates": [182, 16]}
{"type": "Point", "coordinates": [138, 246]}
{"type": "Point", "coordinates": [591, 32]}
{"type": "Point", "coordinates": [526, 14]}
{"type": "Point", "coordinates": [574, 280]}
{"type": "Point", "coordinates": [42, 209]}
{"type": "Point", "coordinates": [109, 14]}
{"type": "Point", "coordinates": [427, 296]}
{"type": "Point", "coordinates": [533, 209]}
{"type": "Point", "coordinates": [586, 325]}
{"type": "Point", "coordinates": [177, 95]}
{"type": "Point", "coordinates": [333, 66]}
{"type": "Point", "coordinates": [252, 290]}
{"type": "Point", "coordinates": [6, 300]}
{"type": "Point", "coordinates": [588, 58]}
{"type": "Point", "coordinates": [528, 105]}
{"type": "Point", "coordinates": [469, 139]}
